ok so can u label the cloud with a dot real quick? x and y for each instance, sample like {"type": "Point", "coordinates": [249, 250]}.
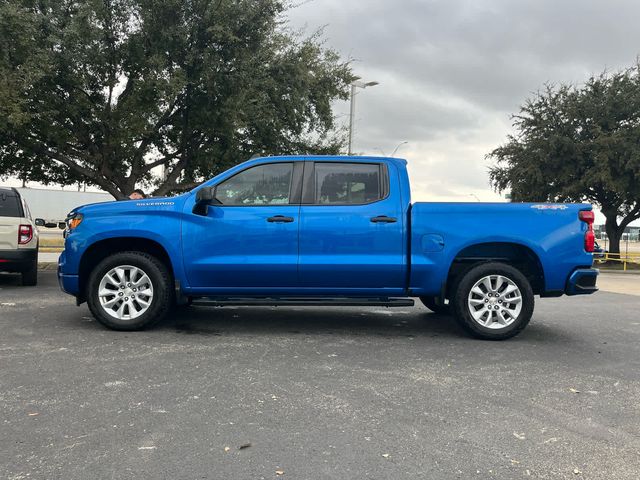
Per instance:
{"type": "Point", "coordinates": [451, 72]}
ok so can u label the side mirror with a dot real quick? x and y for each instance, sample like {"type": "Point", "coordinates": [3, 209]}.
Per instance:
{"type": "Point", "coordinates": [39, 222]}
{"type": "Point", "coordinates": [205, 195]}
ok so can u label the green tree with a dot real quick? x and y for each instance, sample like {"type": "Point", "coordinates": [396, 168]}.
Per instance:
{"type": "Point", "coordinates": [578, 144]}
{"type": "Point", "coordinates": [106, 91]}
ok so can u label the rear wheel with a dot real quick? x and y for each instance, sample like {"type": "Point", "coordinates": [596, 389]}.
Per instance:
{"type": "Point", "coordinates": [436, 305]}
{"type": "Point", "coordinates": [129, 291]}
{"type": "Point", "coordinates": [493, 301]}
{"type": "Point", "coordinates": [30, 276]}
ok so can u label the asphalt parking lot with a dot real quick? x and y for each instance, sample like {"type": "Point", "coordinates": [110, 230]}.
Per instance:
{"type": "Point", "coordinates": [331, 393]}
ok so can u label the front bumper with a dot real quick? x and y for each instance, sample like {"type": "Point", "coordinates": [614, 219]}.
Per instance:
{"type": "Point", "coordinates": [582, 282]}
{"type": "Point", "coordinates": [69, 283]}
{"type": "Point", "coordinates": [17, 260]}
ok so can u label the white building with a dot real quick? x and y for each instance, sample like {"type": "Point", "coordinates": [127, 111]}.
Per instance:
{"type": "Point", "coordinates": [54, 205]}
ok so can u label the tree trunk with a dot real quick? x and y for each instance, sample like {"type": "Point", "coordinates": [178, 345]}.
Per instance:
{"type": "Point", "coordinates": [614, 233]}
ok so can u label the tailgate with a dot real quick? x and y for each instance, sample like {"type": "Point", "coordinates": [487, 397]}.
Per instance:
{"type": "Point", "coordinates": [9, 233]}
{"type": "Point", "coordinates": [10, 217]}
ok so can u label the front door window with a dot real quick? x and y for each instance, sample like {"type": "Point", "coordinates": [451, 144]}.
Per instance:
{"type": "Point", "coordinates": [261, 185]}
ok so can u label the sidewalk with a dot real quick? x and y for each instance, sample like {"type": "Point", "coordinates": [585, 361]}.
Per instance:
{"type": "Point", "coordinates": [628, 284]}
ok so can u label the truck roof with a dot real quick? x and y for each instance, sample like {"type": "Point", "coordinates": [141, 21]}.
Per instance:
{"type": "Point", "coordinates": [332, 158]}
{"type": "Point", "coordinates": [327, 158]}
{"type": "Point", "coordinates": [400, 162]}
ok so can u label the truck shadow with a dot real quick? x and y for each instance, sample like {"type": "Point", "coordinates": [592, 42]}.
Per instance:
{"type": "Point", "coordinates": [310, 320]}
{"type": "Point", "coordinates": [343, 321]}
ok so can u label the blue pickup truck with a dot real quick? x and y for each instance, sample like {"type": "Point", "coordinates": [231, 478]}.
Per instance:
{"type": "Point", "coordinates": [305, 230]}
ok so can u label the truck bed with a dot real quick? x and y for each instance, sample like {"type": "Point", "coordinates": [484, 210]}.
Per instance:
{"type": "Point", "coordinates": [444, 232]}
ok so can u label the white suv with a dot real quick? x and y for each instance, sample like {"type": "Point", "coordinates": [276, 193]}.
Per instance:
{"type": "Point", "coordinates": [18, 237]}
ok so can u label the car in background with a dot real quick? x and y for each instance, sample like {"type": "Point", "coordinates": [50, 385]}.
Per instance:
{"type": "Point", "coordinates": [598, 251]}
{"type": "Point", "coordinates": [18, 237]}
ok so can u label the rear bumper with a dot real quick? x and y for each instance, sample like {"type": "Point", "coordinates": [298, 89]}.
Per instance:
{"type": "Point", "coordinates": [582, 282]}
{"type": "Point", "coordinates": [17, 260]}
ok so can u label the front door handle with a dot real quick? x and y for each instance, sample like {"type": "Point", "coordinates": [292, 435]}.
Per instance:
{"type": "Point", "coordinates": [383, 219]}
{"type": "Point", "coordinates": [280, 219]}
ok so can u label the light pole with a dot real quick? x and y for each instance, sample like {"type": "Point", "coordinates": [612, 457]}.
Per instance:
{"type": "Point", "coordinates": [399, 145]}
{"type": "Point", "coordinates": [352, 109]}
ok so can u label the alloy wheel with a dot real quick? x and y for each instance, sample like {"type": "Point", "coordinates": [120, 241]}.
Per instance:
{"type": "Point", "coordinates": [495, 301]}
{"type": "Point", "coordinates": [125, 292]}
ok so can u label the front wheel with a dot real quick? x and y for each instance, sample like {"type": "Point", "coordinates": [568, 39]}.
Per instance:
{"type": "Point", "coordinates": [493, 301]}
{"type": "Point", "coordinates": [129, 291]}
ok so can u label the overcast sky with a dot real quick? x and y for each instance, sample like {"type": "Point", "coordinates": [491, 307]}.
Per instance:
{"type": "Point", "coordinates": [451, 73]}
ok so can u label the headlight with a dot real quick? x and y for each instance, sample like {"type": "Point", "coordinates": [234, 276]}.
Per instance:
{"type": "Point", "coordinates": [74, 220]}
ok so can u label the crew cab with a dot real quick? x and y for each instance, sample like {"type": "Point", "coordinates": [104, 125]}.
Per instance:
{"type": "Point", "coordinates": [18, 237]}
{"type": "Point", "coordinates": [305, 230]}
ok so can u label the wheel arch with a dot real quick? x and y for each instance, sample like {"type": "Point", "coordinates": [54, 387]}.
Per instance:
{"type": "Point", "coordinates": [101, 249]}
{"type": "Point", "coordinates": [516, 254]}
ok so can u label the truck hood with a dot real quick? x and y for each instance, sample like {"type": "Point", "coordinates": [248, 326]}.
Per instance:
{"type": "Point", "coordinates": [133, 207]}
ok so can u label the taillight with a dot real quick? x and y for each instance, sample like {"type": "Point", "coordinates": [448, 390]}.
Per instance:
{"type": "Point", "coordinates": [589, 241]}
{"type": "Point", "coordinates": [25, 234]}
{"type": "Point", "coordinates": [588, 217]}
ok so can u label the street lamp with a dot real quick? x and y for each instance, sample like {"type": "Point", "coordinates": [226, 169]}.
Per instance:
{"type": "Point", "coordinates": [399, 145]}
{"type": "Point", "coordinates": [352, 110]}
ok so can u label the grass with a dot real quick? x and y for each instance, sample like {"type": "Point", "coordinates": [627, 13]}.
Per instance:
{"type": "Point", "coordinates": [57, 242]}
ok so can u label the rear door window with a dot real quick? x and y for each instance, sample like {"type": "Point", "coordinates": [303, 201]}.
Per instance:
{"type": "Point", "coordinates": [347, 183]}
{"type": "Point", "coordinates": [9, 204]}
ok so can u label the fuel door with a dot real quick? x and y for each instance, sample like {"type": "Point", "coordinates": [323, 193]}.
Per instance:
{"type": "Point", "coordinates": [432, 242]}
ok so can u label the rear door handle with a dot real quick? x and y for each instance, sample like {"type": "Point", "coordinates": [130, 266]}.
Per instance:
{"type": "Point", "coordinates": [280, 219]}
{"type": "Point", "coordinates": [383, 219]}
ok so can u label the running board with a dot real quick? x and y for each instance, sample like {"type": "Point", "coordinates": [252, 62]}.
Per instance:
{"type": "Point", "coordinates": [305, 301]}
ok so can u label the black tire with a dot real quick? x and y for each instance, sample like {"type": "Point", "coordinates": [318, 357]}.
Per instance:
{"type": "Point", "coordinates": [435, 305]}
{"type": "Point", "coordinates": [159, 276]}
{"type": "Point", "coordinates": [462, 311]}
{"type": "Point", "coordinates": [30, 276]}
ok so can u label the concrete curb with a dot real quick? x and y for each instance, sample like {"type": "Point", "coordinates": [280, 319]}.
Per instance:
{"type": "Point", "coordinates": [613, 270]}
